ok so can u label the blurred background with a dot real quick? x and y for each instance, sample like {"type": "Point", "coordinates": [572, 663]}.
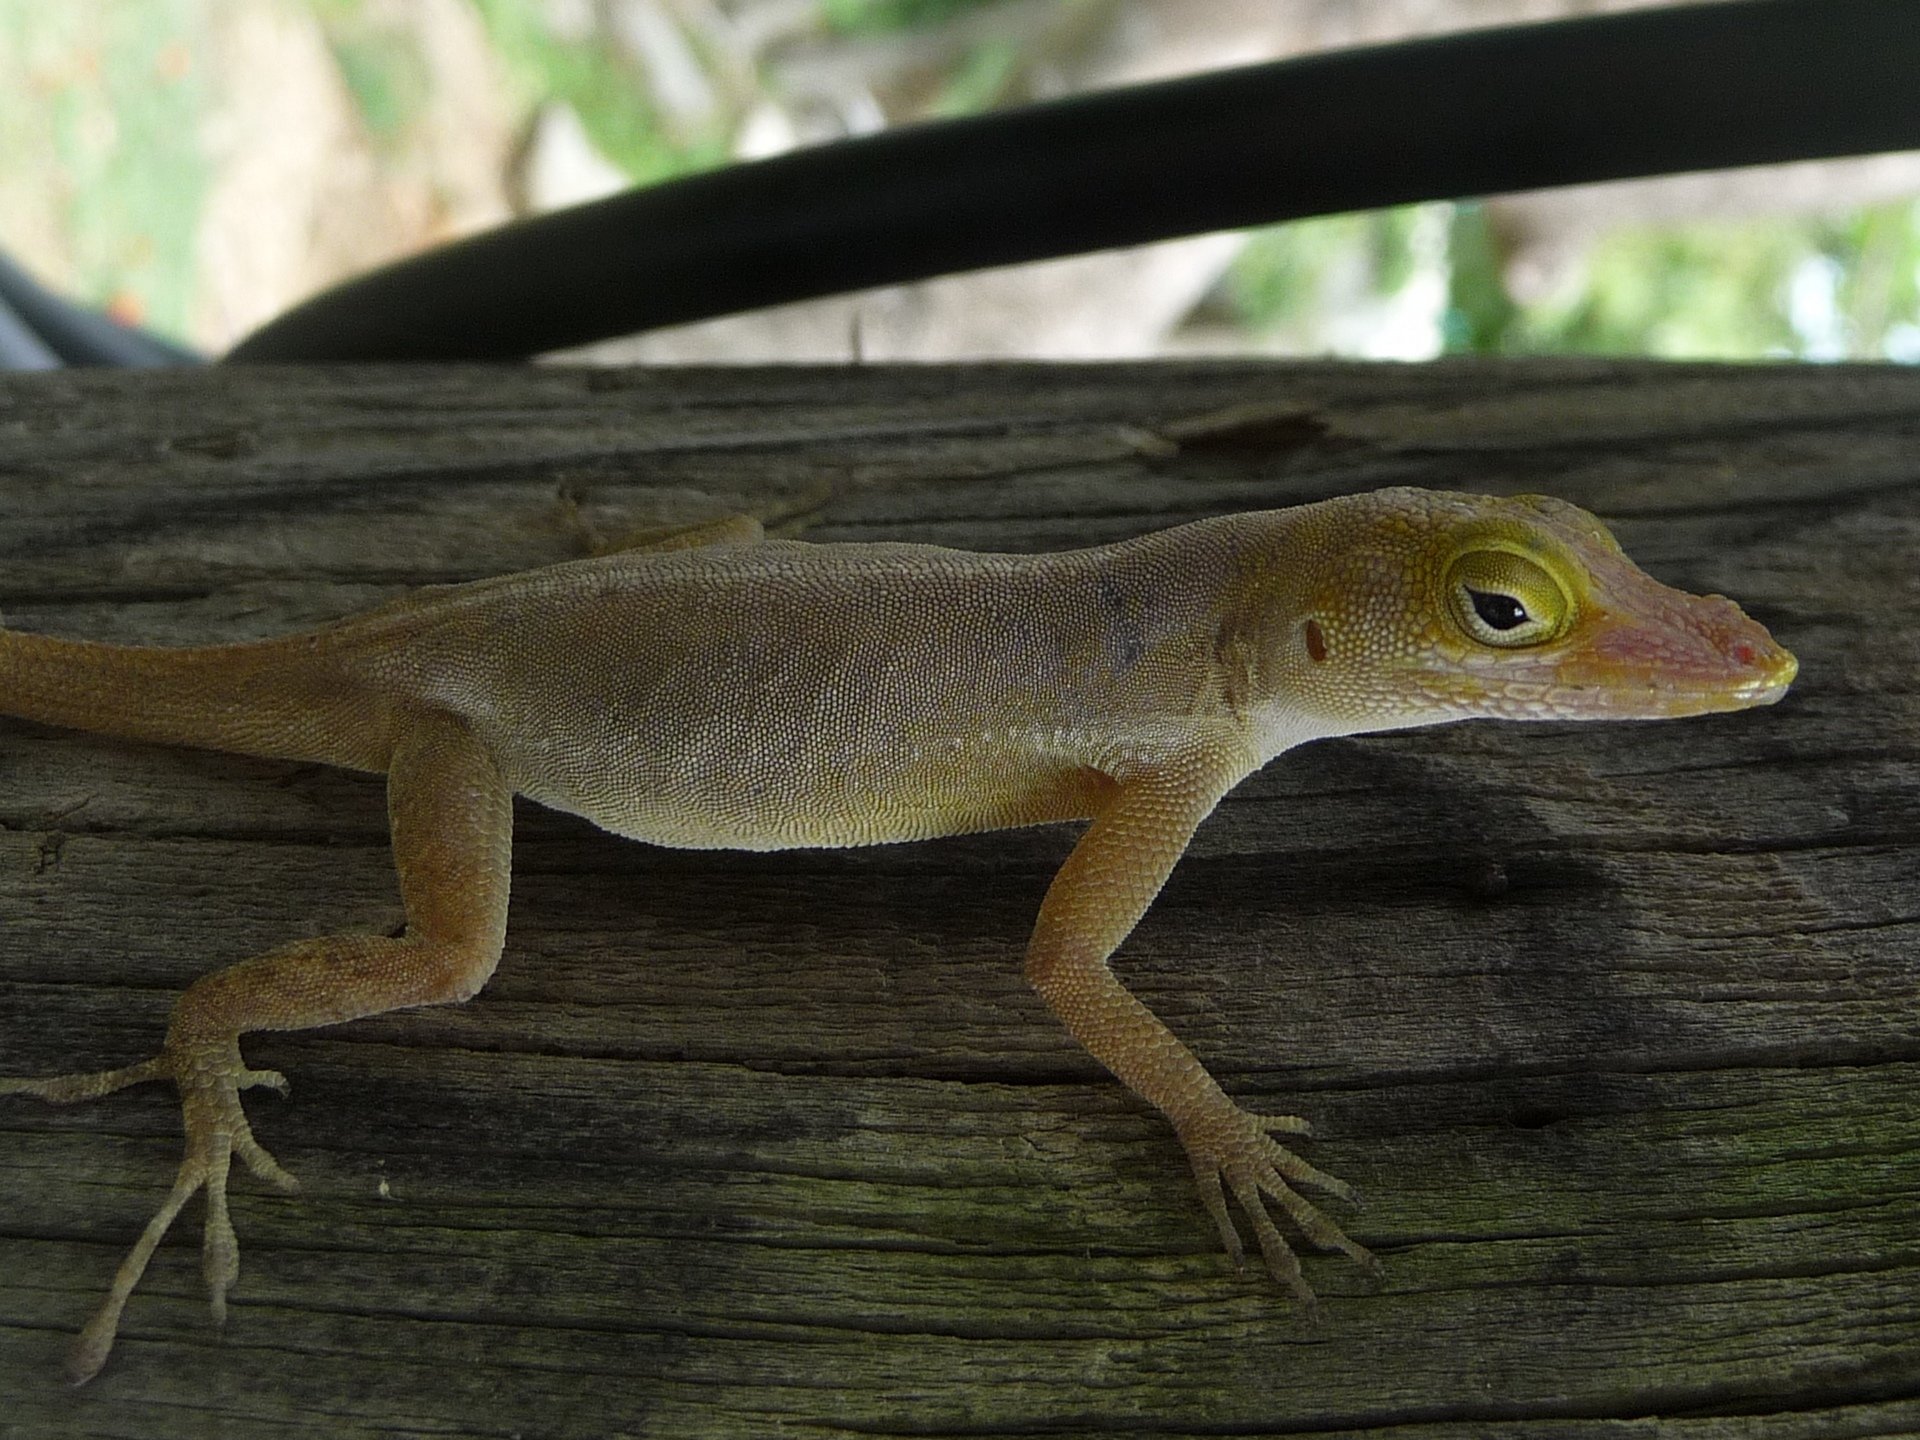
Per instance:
{"type": "Point", "coordinates": [198, 166]}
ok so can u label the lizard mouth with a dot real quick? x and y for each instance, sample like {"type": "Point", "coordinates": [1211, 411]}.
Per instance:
{"type": "Point", "coordinates": [1671, 655]}
{"type": "Point", "coordinates": [1680, 655]}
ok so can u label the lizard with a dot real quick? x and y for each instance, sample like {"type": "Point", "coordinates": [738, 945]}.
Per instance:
{"type": "Point", "coordinates": [721, 688]}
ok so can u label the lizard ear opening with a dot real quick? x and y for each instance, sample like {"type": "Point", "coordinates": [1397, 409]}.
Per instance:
{"type": "Point", "coordinates": [1505, 600]}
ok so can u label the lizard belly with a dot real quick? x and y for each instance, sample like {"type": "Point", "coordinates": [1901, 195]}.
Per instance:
{"type": "Point", "coordinates": [690, 788]}
{"type": "Point", "coordinates": [774, 697]}
{"type": "Point", "coordinates": [765, 801]}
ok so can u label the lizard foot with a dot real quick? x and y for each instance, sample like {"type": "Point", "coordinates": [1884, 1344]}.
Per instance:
{"type": "Point", "coordinates": [209, 1074]}
{"type": "Point", "coordinates": [1233, 1145]}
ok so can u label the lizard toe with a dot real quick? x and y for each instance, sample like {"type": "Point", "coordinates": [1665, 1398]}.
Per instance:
{"type": "Point", "coordinates": [1234, 1146]}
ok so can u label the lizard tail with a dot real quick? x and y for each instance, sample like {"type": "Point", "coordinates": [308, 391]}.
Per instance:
{"type": "Point", "coordinates": [277, 699]}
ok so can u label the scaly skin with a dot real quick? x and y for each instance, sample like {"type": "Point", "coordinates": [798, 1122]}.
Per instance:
{"type": "Point", "coordinates": [721, 690]}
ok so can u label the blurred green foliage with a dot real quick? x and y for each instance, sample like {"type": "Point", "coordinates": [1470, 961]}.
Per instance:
{"type": "Point", "coordinates": [878, 17]}
{"type": "Point", "coordinates": [386, 78]}
{"type": "Point", "coordinates": [113, 98]}
{"type": "Point", "coordinates": [604, 88]}
{"type": "Point", "coordinates": [980, 81]}
{"type": "Point", "coordinates": [1288, 275]}
{"type": "Point", "coordinates": [105, 102]}
{"type": "Point", "coordinates": [1816, 288]}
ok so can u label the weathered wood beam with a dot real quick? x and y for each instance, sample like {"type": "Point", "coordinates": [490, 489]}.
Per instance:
{"type": "Point", "coordinates": [1617, 1028]}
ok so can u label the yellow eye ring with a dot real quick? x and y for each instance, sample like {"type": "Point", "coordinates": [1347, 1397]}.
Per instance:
{"type": "Point", "coordinates": [1505, 600]}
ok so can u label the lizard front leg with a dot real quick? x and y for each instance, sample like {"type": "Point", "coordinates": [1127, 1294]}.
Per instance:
{"type": "Point", "coordinates": [1095, 901]}
{"type": "Point", "coordinates": [452, 819]}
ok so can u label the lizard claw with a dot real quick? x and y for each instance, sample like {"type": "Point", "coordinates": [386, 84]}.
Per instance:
{"type": "Point", "coordinates": [209, 1076]}
{"type": "Point", "coordinates": [1235, 1146]}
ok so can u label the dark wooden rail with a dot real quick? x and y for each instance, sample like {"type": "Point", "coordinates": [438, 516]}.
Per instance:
{"type": "Point", "coordinates": [1617, 1028]}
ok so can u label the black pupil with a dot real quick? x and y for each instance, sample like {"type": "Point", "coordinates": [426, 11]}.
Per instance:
{"type": "Point", "coordinates": [1502, 612]}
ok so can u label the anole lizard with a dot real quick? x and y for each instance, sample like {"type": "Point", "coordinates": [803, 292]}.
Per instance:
{"type": "Point", "coordinates": [726, 690]}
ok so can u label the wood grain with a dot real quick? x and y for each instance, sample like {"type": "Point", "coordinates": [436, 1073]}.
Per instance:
{"type": "Point", "coordinates": [1617, 1028]}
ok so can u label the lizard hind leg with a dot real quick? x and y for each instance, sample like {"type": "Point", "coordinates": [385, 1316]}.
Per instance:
{"type": "Point", "coordinates": [452, 822]}
{"type": "Point", "coordinates": [216, 1128]}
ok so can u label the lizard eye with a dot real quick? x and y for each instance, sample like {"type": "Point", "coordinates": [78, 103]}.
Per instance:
{"type": "Point", "coordinates": [1502, 612]}
{"type": "Point", "coordinates": [1506, 600]}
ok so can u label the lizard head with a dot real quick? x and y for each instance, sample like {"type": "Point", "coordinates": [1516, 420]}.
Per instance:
{"type": "Point", "coordinates": [1422, 606]}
